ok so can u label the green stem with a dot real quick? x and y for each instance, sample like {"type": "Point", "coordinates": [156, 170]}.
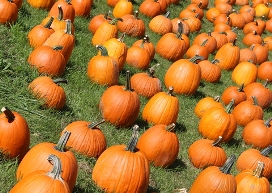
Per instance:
{"type": "Point", "coordinates": [171, 127]}
{"type": "Point", "coordinates": [259, 170]}
{"type": "Point", "coordinates": [228, 164]}
{"type": "Point", "coordinates": [134, 139]}
{"type": "Point", "coordinates": [204, 42]}
{"type": "Point", "coordinates": [218, 141]}
{"type": "Point", "coordinates": [50, 21]}
{"type": "Point", "coordinates": [136, 14]}
{"type": "Point", "coordinates": [55, 173]}
{"type": "Point", "coordinates": [216, 98]}
{"type": "Point", "coordinates": [102, 49]}
{"type": "Point", "coordinates": [94, 124]}
{"type": "Point", "coordinates": [68, 1]}
{"type": "Point", "coordinates": [214, 61]}
{"type": "Point", "coordinates": [230, 105]}
{"type": "Point", "coordinates": [62, 141]}
{"type": "Point", "coordinates": [60, 80]}
{"type": "Point", "coordinates": [180, 29]}
{"type": "Point", "coordinates": [121, 39]}
{"type": "Point", "coordinates": [9, 115]}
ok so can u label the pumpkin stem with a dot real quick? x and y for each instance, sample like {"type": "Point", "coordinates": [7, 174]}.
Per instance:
{"type": "Point", "coordinates": [235, 29]}
{"type": "Point", "coordinates": [170, 90]}
{"type": "Point", "coordinates": [146, 38]}
{"type": "Point", "coordinates": [216, 98]}
{"type": "Point", "coordinates": [136, 14]}
{"type": "Point", "coordinates": [195, 58]}
{"type": "Point", "coordinates": [60, 15]}
{"type": "Point", "coordinates": [133, 140]}
{"type": "Point", "coordinates": [106, 16]}
{"type": "Point", "coordinates": [204, 42]}
{"type": "Point", "coordinates": [167, 14]}
{"type": "Point", "coordinates": [94, 124]}
{"type": "Point", "coordinates": [121, 39]}
{"type": "Point", "coordinates": [50, 21]}
{"type": "Point", "coordinates": [151, 70]}
{"type": "Point", "coordinates": [180, 29]}
{"type": "Point", "coordinates": [255, 100]}
{"type": "Point", "coordinates": [241, 88]}
{"type": "Point", "coordinates": [68, 29]}
{"type": "Point", "coordinates": [230, 105]}
{"type": "Point", "coordinates": [259, 170]}
{"type": "Point", "coordinates": [58, 47]}
{"type": "Point", "coordinates": [266, 83]}
{"type": "Point", "coordinates": [214, 61]}
{"type": "Point", "coordinates": [228, 164]}
{"type": "Point", "coordinates": [267, 122]}
{"type": "Point", "coordinates": [68, 1]}
{"type": "Point", "coordinates": [62, 141]}
{"type": "Point", "coordinates": [60, 80]}
{"type": "Point", "coordinates": [234, 42]}
{"type": "Point", "coordinates": [55, 173]}
{"type": "Point", "coordinates": [128, 85]}
{"type": "Point", "coordinates": [113, 21]}
{"type": "Point", "coordinates": [9, 115]}
{"type": "Point", "coordinates": [171, 127]}
{"type": "Point", "coordinates": [102, 49]}
{"type": "Point", "coordinates": [218, 141]}
{"type": "Point", "coordinates": [267, 150]}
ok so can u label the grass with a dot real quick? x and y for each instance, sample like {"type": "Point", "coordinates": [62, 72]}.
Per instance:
{"type": "Point", "coordinates": [83, 98]}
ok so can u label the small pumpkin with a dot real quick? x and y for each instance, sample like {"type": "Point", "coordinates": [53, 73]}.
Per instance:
{"type": "Point", "coordinates": [206, 103]}
{"type": "Point", "coordinates": [97, 20]}
{"type": "Point", "coordinates": [234, 92]}
{"type": "Point", "coordinates": [210, 71]}
{"type": "Point", "coordinates": [247, 54]}
{"type": "Point", "coordinates": [265, 71]}
{"type": "Point", "coordinates": [261, 52]}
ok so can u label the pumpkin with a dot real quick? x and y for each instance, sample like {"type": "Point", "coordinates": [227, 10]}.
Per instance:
{"type": "Point", "coordinates": [258, 133]}
{"type": "Point", "coordinates": [117, 49]}
{"type": "Point", "coordinates": [15, 134]}
{"type": "Point", "coordinates": [250, 180]}
{"type": "Point", "coordinates": [261, 52]}
{"type": "Point", "coordinates": [217, 122]}
{"type": "Point", "coordinates": [48, 92]}
{"type": "Point", "coordinates": [146, 83]}
{"type": "Point", "coordinates": [147, 44]}
{"type": "Point", "coordinates": [150, 8]}
{"type": "Point", "coordinates": [105, 31]}
{"type": "Point", "coordinates": [162, 108]}
{"type": "Point", "coordinates": [252, 38]}
{"type": "Point", "coordinates": [221, 39]}
{"type": "Point", "coordinates": [246, 111]}
{"type": "Point", "coordinates": [206, 103]}
{"type": "Point", "coordinates": [211, 43]}
{"type": "Point", "coordinates": [97, 20]}
{"type": "Point", "coordinates": [252, 26]}
{"type": "Point", "coordinates": [265, 71]}
{"type": "Point", "coordinates": [103, 69]}
{"type": "Point", "coordinates": [237, 19]}
{"type": "Point", "coordinates": [112, 3]}
{"type": "Point", "coordinates": [43, 181]}
{"type": "Point", "coordinates": [123, 7]}
{"type": "Point", "coordinates": [47, 60]}
{"type": "Point", "coordinates": [19, 3]}
{"type": "Point", "coordinates": [119, 166]}
{"type": "Point", "coordinates": [261, 92]}
{"type": "Point", "coordinates": [193, 22]}
{"type": "Point", "coordinates": [244, 73]}
{"type": "Point", "coordinates": [175, 26]}
{"type": "Point", "coordinates": [41, 4]}
{"type": "Point", "coordinates": [222, 18]}
{"type": "Point", "coordinates": [262, 10]}
{"type": "Point", "coordinates": [249, 158]}
{"type": "Point", "coordinates": [212, 13]}
{"type": "Point", "coordinates": [234, 92]}
{"type": "Point", "coordinates": [196, 8]}
{"type": "Point", "coordinates": [198, 49]}
{"type": "Point", "coordinates": [161, 24]}
{"type": "Point", "coordinates": [248, 12]}
{"type": "Point", "coordinates": [204, 3]}
{"type": "Point", "coordinates": [224, 8]}
{"type": "Point", "coordinates": [247, 54]}
{"type": "Point", "coordinates": [222, 27]}
{"type": "Point", "coordinates": [160, 144]}
{"type": "Point", "coordinates": [232, 34]}
{"type": "Point", "coordinates": [204, 152]}
{"type": "Point", "coordinates": [138, 57]}
{"type": "Point", "coordinates": [120, 105]}
{"type": "Point", "coordinates": [68, 10]}
{"type": "Point", "coordinates": [35, 160]}
{"type": "Point", "coordinates": [215, 179]}
{"type": "Point", "coordinates": [184, 75]}
{"type": "Point", "coordinates": [86, 138]}
{"type": "Point", "coordinates": [82, 7]}
{"type": "Point", "coordinates": [228, 56]}
{"type": "Point", "coordinates": [210, 71]}
{"type": "Point", "coordinates": [9, 12]}
{"type": "Point", "coordinates": [39, 33]}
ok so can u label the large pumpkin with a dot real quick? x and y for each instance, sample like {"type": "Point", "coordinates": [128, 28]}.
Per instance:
{"type": "Point", "coordinates": [122, 168]}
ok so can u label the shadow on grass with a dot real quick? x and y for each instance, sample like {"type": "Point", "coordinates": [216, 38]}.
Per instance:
{"type": "Point", "coordinates": [234, 142]}
{"type": "Point", "coordinates": [180, 127]}
{"type": "Point", "coordinates": [178, 165]}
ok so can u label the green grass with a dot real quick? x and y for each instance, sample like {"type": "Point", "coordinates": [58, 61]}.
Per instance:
{"type": "Point", "coordinates": [83, 98]}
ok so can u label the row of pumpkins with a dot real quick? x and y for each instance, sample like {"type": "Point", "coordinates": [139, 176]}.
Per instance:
{"type": "Point", "coordinates": [120, 106]}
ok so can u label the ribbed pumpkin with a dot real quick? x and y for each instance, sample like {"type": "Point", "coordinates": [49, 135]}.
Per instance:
{"type": "Point", "coordinates": [247, 54]}
{"type": "Point", "coordinates": [247, 111]}
{"type": "Point", "coordinates": [47, 60]}
{"type": "Point", "coordinates": [206, 103]}
{"type": "Point", "coordinates": [86, 138]}
{"type": "Point", "coordinates": [150, 8]}
{"type": "Point", "coordinates": [67, 8]}
{"type": "Point", "coordinates": [228, 56]}
{"type": "Point", "coordinates": [261, 52]}
{"type": "Point", "coordinates": [8, 12]}
{"type": "Point", "coordinates": [41, 4]}
{"type": "Point", "coordinates": [120, 166]}
{"type": "Point", "coordinates": [161, 24]}
{"type": "Point", "coordinates": [258, 133]}
{"type": "Point", "coordinates": [210, 71]}
{"type": "Point", "coordinates": [117, 49]}
{"type": "Point", "coordinates": [162, 108]}
{"type": "Point", "coordinates": [120, 105]}
{"type": "Point", "coordinates": [265, 71]}
{"type": "Point", "coordinates": [47, 90]}
{"type": "Point", "coordinates": [215, 179]}
{"type": "Point", "coordinates": [198, 49]}
{"type": "Point", "coordinates": [138, 57]}
{"type": "Point", "coordinates": [221, 39]}
{"type": "Point", "coordinates": [211, 43]}
{"type": "Point", "coordinates": [82, 7]}
{"type": "Point", "coordinates": [146, 83]}
{"type": "Point", "coordinates": [184, 75]}
{"type": "Point", "coordinates": [123, 7]}
{"type": "Point", "coordinates": [36, 159]}
{"type": "Point", "coordinates": [249, 158]}
{"type": "Point", "coordinates": [244, 73]}
{"type": "Point", "coordinates": [160, 144]}
{"type": "Point", "coordinates": [234, 92]}
{"type": "Point", "coordinates": [204, 152]}
{"type": "Point", "coordinates": [252, 38]}
{"type": "Point", "coordinates": [97, 20]}
{"type": "Point", "coordinates": [147, 44]}
{"type": "Point", "coordinates": [103, 69]}
{"type": "Point", "coordinates": [43, 181]}
{"type": "Point", "coordinates": [217, 122]}
{"type": "Point", "coordinates": [252, 181]}
{"type": "Point", "coordinates": [15, 134]}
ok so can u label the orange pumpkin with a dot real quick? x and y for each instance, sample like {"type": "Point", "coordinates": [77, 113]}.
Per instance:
{"type": "Point", "coordinates": [9, 12]}
{"type": "Point", "coordinates": [233, 92]}
{"type": "Point", "coordinates": [82, 7]}
{"type": "Point", "coordinates": [210, 71]}
{"type": "Point", "coordinates": [265, 71]}
{"type": "Point", "coordinates": [122, 7]}
{"type": "Point", "coordinates": [161, 24]}
{"type": "Point", "coordinates": [205, 104]}
{"type": "Point", "coordinates": [67, 8]}
{"type": "Point", "coordinates": [138, 57]}
{"type": "Point", "coordinates": [41, 4]}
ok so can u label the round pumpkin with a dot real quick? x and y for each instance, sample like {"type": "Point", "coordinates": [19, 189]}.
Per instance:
{"type": "Point", "coordinates": [234, 92]}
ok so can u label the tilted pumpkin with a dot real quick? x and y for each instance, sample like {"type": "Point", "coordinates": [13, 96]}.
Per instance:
{"type": "Point", "coordinates": [120, 166]}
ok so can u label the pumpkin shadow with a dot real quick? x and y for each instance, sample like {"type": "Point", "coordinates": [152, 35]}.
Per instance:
{"type": "Point", "coordinates": [178, 165]}
{"type": "Point", "coordinates": [269, 110]}
{"type": "Point", "coordinates": [180, 127]}
{"type": "Point", "coordinates": [199, 94]}
{"type": "Point", "coordinates": [152, 190]}
{"type": "Point", "coordinates": [142, 124]}
{"type": "Point", "coordinates": [234, 142]}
